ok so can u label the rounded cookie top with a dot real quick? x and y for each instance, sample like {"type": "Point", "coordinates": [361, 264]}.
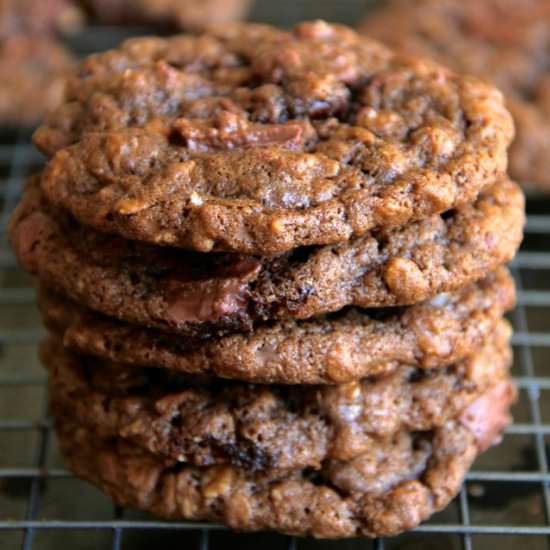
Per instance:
{"type": "Point", "coordinates": [196, 293]}
{"type": "Point", "coordinates": [254, 140]}
{"type": "Point", "coordinates": [264, 427]}
{"type": "Point", "coordinates": [325, 350]}
{"type": "Point", "coordinates": [395, 485]}
{"type": "Point", "coordinates": [504, 41]}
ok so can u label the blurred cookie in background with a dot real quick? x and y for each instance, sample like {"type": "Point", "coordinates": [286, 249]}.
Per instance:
{"type": "Point", "coordinates": [39, 16]}
{"type": "Point", "coordinates": [33, 62]}
{"type": "Point", "coordinates": [32, 83]}
{"type": "Point", "coordinates": [505, 41]}
{"type": "Point", "coordinates": [182, 14]}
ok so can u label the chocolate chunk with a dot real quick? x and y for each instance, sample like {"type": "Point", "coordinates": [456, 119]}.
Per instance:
{"type": "Point", "coordinates": [228, 131]}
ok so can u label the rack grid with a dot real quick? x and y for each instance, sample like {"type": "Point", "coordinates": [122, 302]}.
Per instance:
{"type": "Point", "coordinates": [505, 500]}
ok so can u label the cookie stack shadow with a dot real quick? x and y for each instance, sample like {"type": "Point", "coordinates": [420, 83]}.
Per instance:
{"type": "Point", "coordinates": [271, 265]}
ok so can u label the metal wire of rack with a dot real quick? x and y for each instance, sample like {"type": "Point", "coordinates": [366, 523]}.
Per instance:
{"type": "Point", "coordinates": [505, 500]}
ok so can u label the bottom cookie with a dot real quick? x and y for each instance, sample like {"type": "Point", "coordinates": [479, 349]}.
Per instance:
{"type": "Point", "coordinates": [393, 487]}
{"type": "Point", "coordinates": [256, 427]}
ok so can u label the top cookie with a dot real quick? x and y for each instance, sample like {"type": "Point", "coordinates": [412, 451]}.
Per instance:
{"type": "Point", "coordinates": [254, 140]}
{"type": "Point", "coordinates": [505, 41]}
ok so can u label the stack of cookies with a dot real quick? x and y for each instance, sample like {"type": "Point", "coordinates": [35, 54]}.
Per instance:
{"type": "Point", "coordinates": [271, 265]}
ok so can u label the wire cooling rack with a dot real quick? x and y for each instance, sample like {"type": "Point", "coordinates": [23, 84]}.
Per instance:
{"type": "Point", "coordinates": [505, 500]}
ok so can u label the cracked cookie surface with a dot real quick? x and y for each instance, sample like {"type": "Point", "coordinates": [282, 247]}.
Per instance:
{"type": "Point", "coordinates": [253, 140]}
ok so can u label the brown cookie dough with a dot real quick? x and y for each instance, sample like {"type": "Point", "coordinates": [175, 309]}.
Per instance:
{"type": "Point", "coordinates": [183, 14]}
{"type": "Point", "coordinates": [254, 140]}
{"type": "Point", "coordinates": [194, 293]}
{"type": "Point", "coordinates": [333, 349]}
{"type": "Point", "coordinates": [264, 427]}
{"type": "Point", "coordinates": [505, 41]}
{"type": "Point", "coordinates": [32, 77]}
{"type": "Point", "coordinates": [396, 484]}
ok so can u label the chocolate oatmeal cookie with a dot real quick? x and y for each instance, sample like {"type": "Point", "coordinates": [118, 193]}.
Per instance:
{"type": "Point", "coordinates": [264, 427]}
{"type": "Point", "coordinates": [325, 350]}
{"type": "Point", "coordinates": [396, 484]}
{"type": "Point", "coordinates": [193, 293]}
{"type": "Point", "coordinates": [183, 14]}
{"type": "Point", "coordinates": [253, 140]}
{"type": "Point", "coordinates": [32, 77]}
{"type": "Point", "coordinates": [505, 41]}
